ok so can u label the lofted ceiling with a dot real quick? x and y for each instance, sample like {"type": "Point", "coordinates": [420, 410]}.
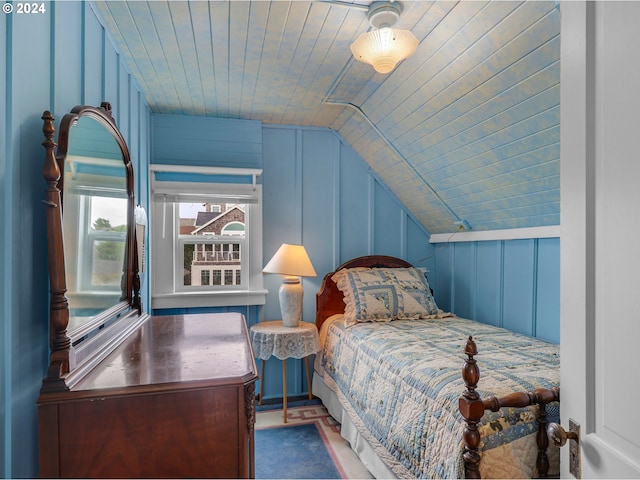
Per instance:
{"type": "Point", "coordinates": [465, 129]}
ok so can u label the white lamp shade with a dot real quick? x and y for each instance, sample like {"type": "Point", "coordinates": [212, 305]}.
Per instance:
{"type": "Point", "coordinates": [384, 48]}
{"type": "Point", "coordinates": [291, 260]}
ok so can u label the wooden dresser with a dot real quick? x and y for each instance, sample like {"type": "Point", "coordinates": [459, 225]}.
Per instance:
{"type": "Point", "coordinates": [175, 399]}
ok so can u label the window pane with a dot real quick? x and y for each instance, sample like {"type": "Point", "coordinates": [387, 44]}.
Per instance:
{"type": "Point", "coordinates": [107, 236]}
{"type": "Point", "coordinates": [107, 264]}
{"type": "Point", "coordinates": [213, 236]}
{"type": "Point", "coordinates": [109, 214]}
{"type": "Point", "coordinates": [211, 219]}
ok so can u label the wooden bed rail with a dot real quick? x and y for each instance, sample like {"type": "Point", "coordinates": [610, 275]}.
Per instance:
{"type": "Point", "coordinates": [472, 408]}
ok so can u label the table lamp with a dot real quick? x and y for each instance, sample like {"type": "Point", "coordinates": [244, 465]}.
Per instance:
{"type": "Point", "coordinates": [292, 262]}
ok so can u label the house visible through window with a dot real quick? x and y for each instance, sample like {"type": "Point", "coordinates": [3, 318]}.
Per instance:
{"type": "Point", "coordinates": [206, 236]}
{"type": "Point", "coordinates": [208, 247]}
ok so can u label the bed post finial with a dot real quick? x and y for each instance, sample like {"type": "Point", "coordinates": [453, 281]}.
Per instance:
{"type": "Point", "coordinates": [470, 371]}
{"type": "Point", "coordinates": [472, 409]}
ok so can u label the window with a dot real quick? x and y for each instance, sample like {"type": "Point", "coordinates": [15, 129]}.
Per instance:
{"type": "Point", "coordinates": [205, 246]}
{"type": "Point", "coordinates": [206, 237]}
{"type": "Point", "coordinates": [233, 228]}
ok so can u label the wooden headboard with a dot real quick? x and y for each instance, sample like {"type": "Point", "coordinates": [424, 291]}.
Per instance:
{"type": "Point", "coordinates": [330, 300]}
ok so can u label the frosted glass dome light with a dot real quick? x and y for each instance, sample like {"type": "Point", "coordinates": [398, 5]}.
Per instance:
{"type": "Point", "coordinates": [384, 48]}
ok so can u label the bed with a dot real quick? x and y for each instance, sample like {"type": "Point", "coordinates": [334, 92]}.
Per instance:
{"type": "Point", "coordinates": [401, 377]}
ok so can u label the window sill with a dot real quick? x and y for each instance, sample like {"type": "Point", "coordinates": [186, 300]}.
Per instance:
{"type": "Point", "coordinates": [209, 299]}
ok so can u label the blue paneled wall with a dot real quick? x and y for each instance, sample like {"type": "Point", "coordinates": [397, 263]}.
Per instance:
{"type": "Point", "coordinates": [51, 61]}
{"type": "Point", "coordinates": [513, 284]}
{"type": "Point", "coordinates": [316, 191]}
{"type": "Point", "coordinates": [319, 192]}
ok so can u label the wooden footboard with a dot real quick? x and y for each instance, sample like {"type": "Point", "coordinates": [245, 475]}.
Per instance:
{"type": "Point", "coordinates": [472, 408]}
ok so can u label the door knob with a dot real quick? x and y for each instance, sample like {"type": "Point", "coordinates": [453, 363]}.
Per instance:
{"type": "Point", "coordinates": [559, 436]}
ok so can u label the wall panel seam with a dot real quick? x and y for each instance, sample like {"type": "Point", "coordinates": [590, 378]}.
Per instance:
{"type": "Point", "coordinates": [103, 79]}
{"type": "Point", "coordinates": [371, 215]}
{"type": "Point", "coordinates": [83, 53]}
{"type": "Point", "coordinates": [337, 165]}
{"type": "Point", "coordinates": [452, 283]}
{"type": "Point", "coordinates": [403, 233]}
{"type": "Point", "coordinates": [534, 294]}
{"type": "Point", "coordinates": [501, 311]}
{"type": "Point", "coordinates": [298, 200]}
{"type": "Point", "coordinates": [52, 57]}
{"type": "Point", "coordinates": [474, 279]}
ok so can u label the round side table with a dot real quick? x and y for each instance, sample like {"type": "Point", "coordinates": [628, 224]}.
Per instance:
{"type": "Point", "coordinates": [273, 338]}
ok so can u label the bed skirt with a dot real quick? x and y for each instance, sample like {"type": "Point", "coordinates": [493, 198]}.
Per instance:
{"type": "Point", "coordinates": [348, 430]}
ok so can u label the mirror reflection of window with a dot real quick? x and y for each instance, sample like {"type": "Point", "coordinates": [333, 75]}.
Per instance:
{"type": "Point", "coordinates": [107, 240]}
{"type": "Point", "coordinates": [95, 233]}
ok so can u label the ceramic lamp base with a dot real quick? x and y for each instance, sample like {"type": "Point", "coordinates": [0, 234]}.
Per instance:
{"type": "Point", "coordinates": [290, 294]}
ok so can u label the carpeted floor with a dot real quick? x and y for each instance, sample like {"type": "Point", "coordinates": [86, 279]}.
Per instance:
{"type": "Point", "coordinates": [309, 445]}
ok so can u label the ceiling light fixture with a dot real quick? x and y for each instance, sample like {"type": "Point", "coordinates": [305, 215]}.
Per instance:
{"type": "Point", "coordinates": [384, 47]}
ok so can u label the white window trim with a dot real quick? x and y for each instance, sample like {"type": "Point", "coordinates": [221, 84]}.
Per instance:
{"type": "Point", "coordinates": [162, 223]}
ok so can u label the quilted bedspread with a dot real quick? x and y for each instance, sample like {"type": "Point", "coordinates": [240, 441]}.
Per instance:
{"type": "Point", "coordinates": [400, 382]}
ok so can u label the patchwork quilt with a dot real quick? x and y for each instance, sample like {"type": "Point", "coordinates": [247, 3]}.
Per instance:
{"type": "Point", "coordinates": [400, 381]}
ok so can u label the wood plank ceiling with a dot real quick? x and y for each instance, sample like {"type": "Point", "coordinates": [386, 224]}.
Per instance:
{"type": "Point", "coordinates": [465, 129]}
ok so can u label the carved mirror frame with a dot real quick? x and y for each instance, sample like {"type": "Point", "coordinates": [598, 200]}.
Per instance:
{"type": "Point", "coordinates": [63, 356]}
